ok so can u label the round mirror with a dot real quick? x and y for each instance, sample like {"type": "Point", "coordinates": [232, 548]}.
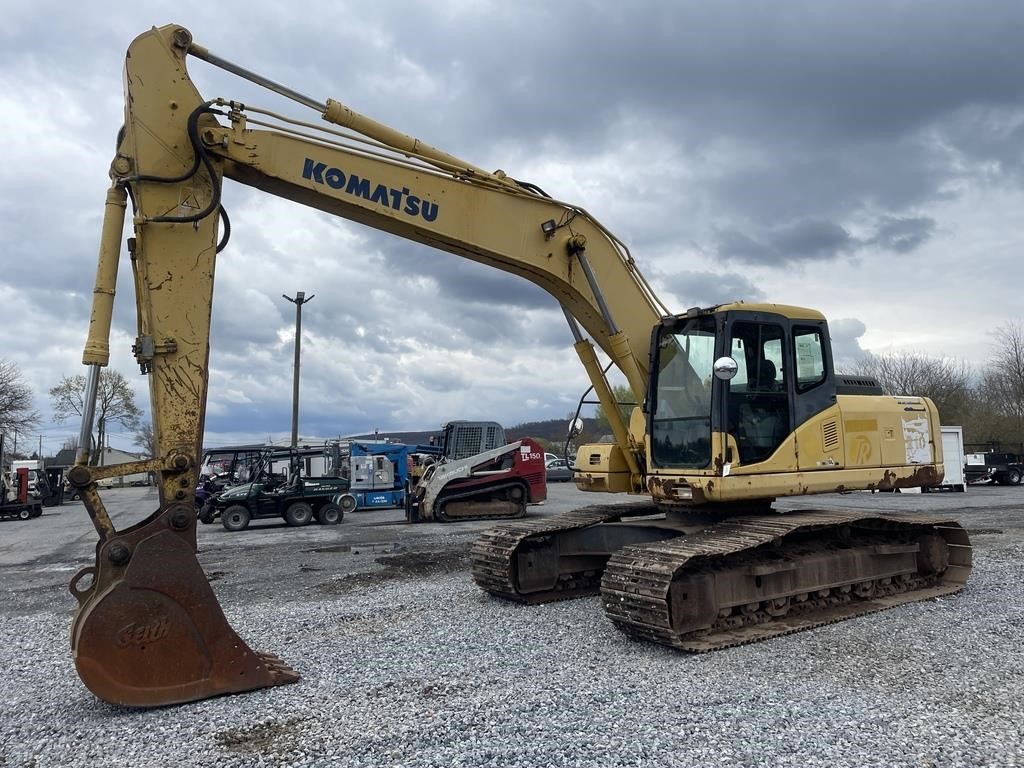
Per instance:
{"type": "Point", "coordinates": [575, 427]}
{"type": "Point", "coordinates": [725, 368]}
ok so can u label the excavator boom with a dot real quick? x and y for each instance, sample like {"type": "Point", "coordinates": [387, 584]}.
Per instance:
{"type": "Point", "coordinates": [148, 630]}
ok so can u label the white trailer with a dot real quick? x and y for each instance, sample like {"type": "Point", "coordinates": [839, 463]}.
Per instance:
{"type": "Point", "coordinates": [953, 459]}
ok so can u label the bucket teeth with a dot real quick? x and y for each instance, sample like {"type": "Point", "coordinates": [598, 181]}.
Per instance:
{"type": "Point", "coordinates": [279, 669]}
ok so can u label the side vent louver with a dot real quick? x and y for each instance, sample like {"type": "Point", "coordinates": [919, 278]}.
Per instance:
{"type": "Point", "coordinates": [830, 435]}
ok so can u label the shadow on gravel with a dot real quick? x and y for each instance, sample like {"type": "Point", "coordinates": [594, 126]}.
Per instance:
{"type": "Point", "coordinates": [262, 737]}
{"type": "Point", "coordinates": [408, 565]}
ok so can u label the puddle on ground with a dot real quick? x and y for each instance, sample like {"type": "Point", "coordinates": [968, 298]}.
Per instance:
{"type": "Point", "coordinates": [373, 548]}
{"type": "Point", "coordinates": [407, 565]}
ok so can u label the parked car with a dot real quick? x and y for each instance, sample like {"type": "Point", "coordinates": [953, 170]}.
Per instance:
{"type": "Point", "coordinates": [558, 471]}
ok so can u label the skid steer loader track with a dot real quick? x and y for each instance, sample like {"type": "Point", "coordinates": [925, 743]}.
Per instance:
{"type": "Point", "coordinates": [468, 505]}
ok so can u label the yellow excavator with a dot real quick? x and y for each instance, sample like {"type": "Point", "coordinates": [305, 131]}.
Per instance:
{"type": "Point", "coordinates": [740, 404]}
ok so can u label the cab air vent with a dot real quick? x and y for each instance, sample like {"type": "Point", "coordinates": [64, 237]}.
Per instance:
{"type": "Point", "coordinates": [830, 435]}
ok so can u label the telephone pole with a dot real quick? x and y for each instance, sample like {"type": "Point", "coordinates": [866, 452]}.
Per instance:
{"type": "Point", "coordinates": [298, 301]}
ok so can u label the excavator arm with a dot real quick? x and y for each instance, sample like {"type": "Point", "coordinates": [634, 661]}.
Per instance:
{"type": "Point", "coordinates": [148, 630]}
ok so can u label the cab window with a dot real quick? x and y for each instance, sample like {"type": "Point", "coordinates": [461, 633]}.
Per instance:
{"type": "Point", "coordinates": [758, 404]}
{"type": "Point", "coordinates": [810, 358]}
{"type": "Point", "coordinates": [757, 350]}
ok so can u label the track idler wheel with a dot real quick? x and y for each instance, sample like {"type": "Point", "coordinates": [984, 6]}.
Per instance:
{"type": "Point", "coordinates": [149, 631]}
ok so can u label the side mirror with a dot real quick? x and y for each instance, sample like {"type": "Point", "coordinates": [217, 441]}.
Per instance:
{"type": "Point", "coordinates": [575, 427]}
{"type": "Point", "coordinates": [725, 368]}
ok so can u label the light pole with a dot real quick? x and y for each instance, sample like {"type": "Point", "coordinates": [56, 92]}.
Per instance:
{"type": "Point", "coordinates": [298, 301]}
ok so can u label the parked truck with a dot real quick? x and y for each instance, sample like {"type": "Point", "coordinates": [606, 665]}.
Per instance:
{"type": "Point", "coordinates": [954, 478]}
{"type": "Point", "coordinates": [37, 483]}
{"type": "Point", "coordinates": [994, 466]}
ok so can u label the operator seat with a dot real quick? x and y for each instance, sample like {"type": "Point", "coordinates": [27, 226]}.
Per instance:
{"type": "Point", "coordinates": [763, 416]}
{"type": "Point", "coordinates": [766, 381]}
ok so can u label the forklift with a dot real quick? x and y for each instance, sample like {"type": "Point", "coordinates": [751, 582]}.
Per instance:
{"type": "Point", "coordinates": [14, 497]}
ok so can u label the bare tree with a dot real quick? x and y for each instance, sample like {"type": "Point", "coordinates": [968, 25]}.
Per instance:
{"type": "Point", "coordinates": [115, 402]}
{"type": "Point", "coordinates": [946, 380]}
{"type": "Point", "coordinates": [145, 439]}
{"type": "Point", "coordinates": [1001, 390]}
{"type": "Point", "coordinates": [16, 412]}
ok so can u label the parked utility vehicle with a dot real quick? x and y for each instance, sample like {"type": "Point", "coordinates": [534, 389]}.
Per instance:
{"type": "Point", "coordinates": [479, 476]}
{"type": "Point", "coordinates": [272, 493]}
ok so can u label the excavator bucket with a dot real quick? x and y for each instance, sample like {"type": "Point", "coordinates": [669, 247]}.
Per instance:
{"type": "Point", "coordinates": [149, 631]}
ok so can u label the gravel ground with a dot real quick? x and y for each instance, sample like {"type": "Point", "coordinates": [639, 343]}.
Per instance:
{"type": "Point", "coordinates": [405, 662]}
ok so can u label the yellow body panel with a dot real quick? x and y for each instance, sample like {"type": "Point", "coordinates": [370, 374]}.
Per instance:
{"type": "Point", "coordinates": [602, 467]}
{"type": "Point", "coordinates": [863, 442]}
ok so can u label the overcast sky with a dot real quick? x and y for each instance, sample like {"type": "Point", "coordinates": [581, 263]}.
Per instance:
{"type": "Point", "coordinates": [862, 158]}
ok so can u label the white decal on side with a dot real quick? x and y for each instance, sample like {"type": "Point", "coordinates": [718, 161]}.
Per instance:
{"type": "Point", "coordinates": [916, 438]}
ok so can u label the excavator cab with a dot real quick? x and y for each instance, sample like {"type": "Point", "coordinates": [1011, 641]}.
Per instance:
{"type": "Point", "coordinates": [744, 403]}
{"type": "Point", "coordinates": [752, 376]}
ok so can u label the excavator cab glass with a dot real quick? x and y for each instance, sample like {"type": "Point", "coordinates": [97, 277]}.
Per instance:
{"type": "Point", "coordinates": [681, 418]}
{"type": "Point", "coordinates": [757, 403]}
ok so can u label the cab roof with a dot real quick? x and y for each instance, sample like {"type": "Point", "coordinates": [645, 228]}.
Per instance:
{"type": "Point", "coordinates": [786, 310]}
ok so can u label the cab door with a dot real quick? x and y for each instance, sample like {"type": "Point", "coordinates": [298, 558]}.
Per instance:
{"type": "Point", "coordinates": [818, 422]}
{"type": "Point", "coordinates": [758, 399]}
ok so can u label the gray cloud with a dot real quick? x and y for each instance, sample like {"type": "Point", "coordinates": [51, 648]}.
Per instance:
{"type": "Point", "coordinates": [902, 235]}
{"type": "Point", "coordinates": [705, 289]}
{"type": "Point", "coordinates": [801, 241]}
{"type": "Point", "coordinates": [811, 239]}
{"type": "Point", "coordinates": [820, 240]}
{"type": "Point", "coordinates": [460, 280]}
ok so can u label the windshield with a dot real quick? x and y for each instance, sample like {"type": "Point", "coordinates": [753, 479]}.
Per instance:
{"type": "Point", "coordinates": [681, 435]}
{"type": "Point", "coordinates": [233, 466]}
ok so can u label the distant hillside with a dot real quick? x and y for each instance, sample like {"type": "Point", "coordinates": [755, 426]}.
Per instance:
{"type": "Point", "coordinates": [552, 431]}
